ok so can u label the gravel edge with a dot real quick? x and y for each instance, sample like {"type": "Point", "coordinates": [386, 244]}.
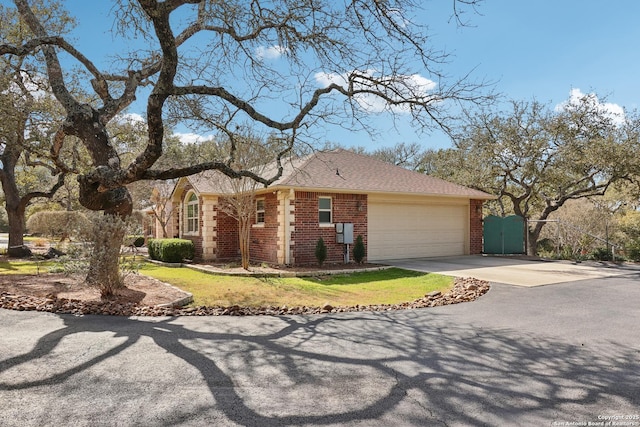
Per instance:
{"type": "Point", "coordinates": [464, 290]}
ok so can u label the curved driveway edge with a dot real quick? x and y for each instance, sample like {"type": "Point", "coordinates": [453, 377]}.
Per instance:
{"type": "Point", "coordinates": [515, 271]}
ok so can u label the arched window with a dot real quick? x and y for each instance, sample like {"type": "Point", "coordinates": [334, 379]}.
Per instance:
{"type": "Point", "coordinates": [192, 219]}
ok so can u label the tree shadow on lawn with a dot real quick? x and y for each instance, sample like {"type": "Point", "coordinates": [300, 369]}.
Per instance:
{"type": "Point", "coordinates": [6, 266]}
{"type": "Point", "coordinates": [410, 368]}
{"type": "Point", "coordinates": [365, 277]}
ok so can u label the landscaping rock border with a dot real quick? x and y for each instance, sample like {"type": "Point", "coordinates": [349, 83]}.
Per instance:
{"type": "Point", "coordinates": [464, 290]}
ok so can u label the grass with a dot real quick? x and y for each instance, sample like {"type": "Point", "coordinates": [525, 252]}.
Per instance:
{"type": "Point", "coordinates": [390, 286]}
{"type": "Point", "coordinates": [25, 267]}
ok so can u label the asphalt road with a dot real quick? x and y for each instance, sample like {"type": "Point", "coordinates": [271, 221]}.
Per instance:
{"type": "Point", "coordinates": [550, 355]}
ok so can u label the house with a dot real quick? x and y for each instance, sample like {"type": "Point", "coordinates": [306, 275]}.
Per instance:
{"type": "Point", "coordinates": [399, 213]}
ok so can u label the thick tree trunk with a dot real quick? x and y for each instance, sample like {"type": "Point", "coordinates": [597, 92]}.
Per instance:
{"type": "Point", "coordinates": [15, 211]}
{"type": "Point", "coordinates": [15, 217]}
{"type": "Point", "coordinates": [245, 235]}
{"type": "Point", "coordinates": [532, 242]}
{"type": "Point", "coordinates": [16, 205]}
{"type": "Point", "coordinates": [104, 266]}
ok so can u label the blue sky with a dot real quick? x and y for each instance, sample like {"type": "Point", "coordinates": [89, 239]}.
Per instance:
{"type": "Point", "coordinates": [542, 49]}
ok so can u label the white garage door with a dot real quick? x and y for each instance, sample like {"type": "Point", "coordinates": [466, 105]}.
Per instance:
{"type": "Point", "coordinates": [398, 230]}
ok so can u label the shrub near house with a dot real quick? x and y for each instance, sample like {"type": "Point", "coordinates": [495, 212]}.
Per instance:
{"type": "Point", "coordinates": [359, 250]}
{"type": "Point", "coordinates": [171, 250]}
{"type": "Point", "coordinates": [321, 252]}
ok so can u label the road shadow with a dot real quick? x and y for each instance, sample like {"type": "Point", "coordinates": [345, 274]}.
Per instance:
{"type": "Point", "coordinates": [410, 368]}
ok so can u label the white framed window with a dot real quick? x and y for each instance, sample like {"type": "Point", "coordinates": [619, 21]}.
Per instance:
{"type": "Point", "coordinates": [192, 219]}
{"type": "Point", "coordinates": [324, 210]}
{"type": "Point", "coordinates": [260, 211]}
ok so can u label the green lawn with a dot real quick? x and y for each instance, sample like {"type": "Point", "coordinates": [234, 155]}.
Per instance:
{"type": "Point", "coordinates": [25, 267]}
{"type": "Point", "coordinates": [379, 287]}
{"type": "Point", "coordinates": [390, 286]}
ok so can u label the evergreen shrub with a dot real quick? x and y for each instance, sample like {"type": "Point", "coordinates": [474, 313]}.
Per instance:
{"type": "Point", "coordinates": [171, 250]}
{"type": "Point", "coordinates": [321, 252]}
{"type": "Point", "coordinates": [359, 250]}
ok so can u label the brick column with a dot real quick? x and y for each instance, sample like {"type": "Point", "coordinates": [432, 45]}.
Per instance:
{"type": "Point", "coordinates": [209, 228]}
{"type": "Point", "coordinates": [286, 227]}
{"type": "Point", "coordinates": [475, 227]}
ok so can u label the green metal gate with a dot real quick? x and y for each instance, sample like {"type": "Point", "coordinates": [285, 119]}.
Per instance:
{"type": "Point", "coordinates": [503, 235]}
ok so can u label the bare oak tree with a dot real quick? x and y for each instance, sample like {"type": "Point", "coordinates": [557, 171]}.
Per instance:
{"type": "Point", "coordinates": [338, 63]}
{"type": "Point", "coordinates": [161, 207]}
{"type": "Point", "coordinates": [27, 115]}
{"type": "Point", "coordinates": [408, 156]}
{"type": "Point", "coordinates": [536, 158]}
{"type": "Point", "coordinates": [240, 204]}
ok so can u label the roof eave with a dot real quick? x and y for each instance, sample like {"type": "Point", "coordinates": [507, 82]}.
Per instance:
{"type": "Point", "coordinates": [484, 196]}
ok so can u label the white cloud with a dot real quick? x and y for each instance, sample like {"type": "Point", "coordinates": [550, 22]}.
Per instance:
{"type": "Point", "coordinates": [32, 84]}
{"type": "Point", "coordinates": [397, 88]}
{"type": "Point", "coordinates": [576, 96]}
{"type": "Point", "coordinates": [325, 79]}
{"type": "Point", "coordinates": [135, 117]}
{"type": "Point", "coordinates": [271, 52]}
{"type": "Point", "coordinates": [190, 137]}
{"type": "Point", "coordinates": [398, 17]}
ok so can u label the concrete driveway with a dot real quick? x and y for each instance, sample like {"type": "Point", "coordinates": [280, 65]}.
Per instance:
{"type": "Point", "coordinates": [514, 271]}
{"type": "Point", "coordinates": [567, 354]}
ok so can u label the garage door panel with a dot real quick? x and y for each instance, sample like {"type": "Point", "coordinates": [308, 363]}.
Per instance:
{"type": "Point", "coordinates": [412, 231]}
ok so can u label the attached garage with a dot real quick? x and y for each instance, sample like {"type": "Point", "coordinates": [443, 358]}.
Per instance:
{"type": "Point", "coordinates": [399, 213]}
{"type": "Point", "coordinates": [410, 228]}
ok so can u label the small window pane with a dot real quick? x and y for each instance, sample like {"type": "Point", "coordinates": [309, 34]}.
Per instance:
{"type": "Point", "coordinates": [324, 210]}
{"type": "Point", "coordinates": [260, 211]}
{"type": "Point", "coordinates": [324, 203]}
{"type": "Point", "coordinates": [325, 217]}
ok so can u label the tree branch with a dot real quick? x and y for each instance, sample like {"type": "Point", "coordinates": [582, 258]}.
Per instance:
{"type": "Point", "coordinates": [26, 199]}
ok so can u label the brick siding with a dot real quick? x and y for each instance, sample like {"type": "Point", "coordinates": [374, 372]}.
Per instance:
{"type": "Point", "coordinates": [227, 241]}
{"type": "Point", "coordinates": [475, 227]}
{"type": "Point", "coordinates": [345, 208]}
{"type": "Point", "coordinates": [263, 243]}
{"type": "Point", "coordinates": [306, 230]}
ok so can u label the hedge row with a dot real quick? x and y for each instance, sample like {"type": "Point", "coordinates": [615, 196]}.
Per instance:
{"type": "Point", "coordinates": [61, 224]}
{"type": "Point", "coordinates": [171, 250]}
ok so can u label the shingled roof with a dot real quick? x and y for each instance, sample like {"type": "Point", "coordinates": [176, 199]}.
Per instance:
{"type": "Point", "coordinates": [345, 171]}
